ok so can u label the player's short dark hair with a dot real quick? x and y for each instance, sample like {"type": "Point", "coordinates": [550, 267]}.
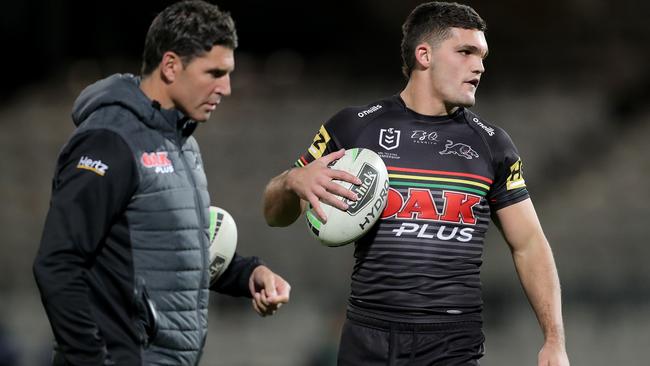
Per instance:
{"type": "Point", "coordinates": [188, 28]}
{"type": "Point", "coordinates": [432, 21]}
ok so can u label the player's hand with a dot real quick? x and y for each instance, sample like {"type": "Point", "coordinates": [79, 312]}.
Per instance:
{"type": "Point", "coordinates": [269, 290]}
{"type": "Point", "coordinates": [553, 354]}
{"type": "Point", "coordinates": [314, 184]}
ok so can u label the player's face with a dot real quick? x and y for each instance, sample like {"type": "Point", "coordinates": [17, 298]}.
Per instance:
{"type": "Point", "coordinates": [457, 66]}
{"type": "Point", "coordinates": [200, 85]}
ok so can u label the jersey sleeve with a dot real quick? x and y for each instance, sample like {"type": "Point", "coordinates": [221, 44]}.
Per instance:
{"type": "Point", "coordinates": [509, 186]}
{"type": "Point", "coordinates": [335, 134]}
{"type": "Point", "coordinates": [94, 180]}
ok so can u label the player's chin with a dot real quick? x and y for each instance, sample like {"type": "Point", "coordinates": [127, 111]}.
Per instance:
{"type": "Point", "coordinates": [467, 100]}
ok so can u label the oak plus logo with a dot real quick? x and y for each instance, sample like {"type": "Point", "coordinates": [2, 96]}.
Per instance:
{"type": "Point", "coordinates": [452, 220]}
{"type": "Point", "coordinates": [424, 137]}
{"type": "Point", "coordinates": [459, 149]}
{"type": "Point", "coordinates": [159, 161]}
{"type": "Point", "coordinates": [95, 166]}
{"type": "Point", "coordinates": [389, 138]}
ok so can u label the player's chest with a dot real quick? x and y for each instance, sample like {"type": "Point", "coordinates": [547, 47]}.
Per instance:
{"type": "Point", "coordinates": [452, 147]}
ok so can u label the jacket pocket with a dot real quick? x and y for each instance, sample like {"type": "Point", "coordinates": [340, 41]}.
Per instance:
{"type": "Point", "coordinates": [146, 314]}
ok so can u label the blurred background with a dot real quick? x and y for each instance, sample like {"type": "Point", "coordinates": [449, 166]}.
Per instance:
{"type": "Point", "coordinates": [569, 80]}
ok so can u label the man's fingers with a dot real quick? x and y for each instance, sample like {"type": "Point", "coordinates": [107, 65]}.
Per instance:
{"type": "Point", "coordinates": [340, 191]}
{"type": "Point", "coordinates": [327, 159]}
{"type": "Point", "coordinates": [344, 176]}
{"type": "Point", "coordinates": [315, 204]}
{"type": "Point", "coordinates": [258, 301]}
{"type": "Point", "coordinates": [335, 201]}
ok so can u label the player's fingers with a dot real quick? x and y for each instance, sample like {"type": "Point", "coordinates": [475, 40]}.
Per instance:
{"type": "Point", "coordinates": [344, 176]}
{"type": "Point", "coordinates": [335, 201]}
{"type": "Point", "coordinates": [327, 159]}
{"type": "Point", "coordinates": [340, 191]}
{"type": "Point", "coordinates": [315, 205]}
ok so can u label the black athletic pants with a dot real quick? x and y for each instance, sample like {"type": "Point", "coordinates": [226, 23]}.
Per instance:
{"type": "Point", "coordinates": [372, 342]}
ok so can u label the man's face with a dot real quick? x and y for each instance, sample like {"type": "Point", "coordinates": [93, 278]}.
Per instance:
{"type": "Point", "coordinates": [200, 84]}
{"type": "Point", "coordinates": [457, 66]}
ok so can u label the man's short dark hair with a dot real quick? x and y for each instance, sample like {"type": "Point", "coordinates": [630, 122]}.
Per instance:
{"type": "Point", "coordinates": [432, 22]}
{"type": "Point", "coordinates": [189, 29]}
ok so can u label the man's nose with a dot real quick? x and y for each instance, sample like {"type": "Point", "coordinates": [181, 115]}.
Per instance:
{"type": "Point", "coordinates": [223, 85]}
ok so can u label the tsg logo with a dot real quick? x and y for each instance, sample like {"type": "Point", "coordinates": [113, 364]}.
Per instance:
{"type": "Point", "coordinates": [389, 138]}
{"type": "Point", "coordinates": [424, 137]}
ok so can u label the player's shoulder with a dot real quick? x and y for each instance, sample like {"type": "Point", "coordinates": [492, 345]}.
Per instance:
{"type": "Point", "coordinates": [491, 133]}
{"type": "Point", "coordinates": [362, 114]}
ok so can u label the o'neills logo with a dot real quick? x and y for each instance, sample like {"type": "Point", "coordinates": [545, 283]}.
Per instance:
{"type": "Point", "coordinates": [372, 109]}
{"type": "Point", "coordinates": [157, 160]}
{"type": "Point", "coordinates": [368, 176]}
{"type": "Point", "coordinates": [95, 166]}
{"type": "Point", "coordinates": [488, 129]}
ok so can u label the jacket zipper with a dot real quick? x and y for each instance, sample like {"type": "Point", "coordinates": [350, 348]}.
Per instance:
{"type": "Point", "coordinates": [199, 203]}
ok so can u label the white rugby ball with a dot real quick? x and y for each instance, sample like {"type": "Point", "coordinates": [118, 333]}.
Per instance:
{"type": "Point", "coordinates": [344, 227]}
{"type": "Point", "coordinates": [223, 241]}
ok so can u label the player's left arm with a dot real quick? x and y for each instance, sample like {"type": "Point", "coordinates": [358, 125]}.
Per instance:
{"type": "Point", "coordinates": [535, 266]}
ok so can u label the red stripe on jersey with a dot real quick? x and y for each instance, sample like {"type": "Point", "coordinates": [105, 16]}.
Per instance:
{"type": "Point", "coordinates": [440, 172]}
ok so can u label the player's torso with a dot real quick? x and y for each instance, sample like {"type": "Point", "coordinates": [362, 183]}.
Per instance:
{"type": "Point", "coordinates": [425, 252]}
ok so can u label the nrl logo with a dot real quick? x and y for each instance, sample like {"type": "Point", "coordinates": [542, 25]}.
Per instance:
{"type": "Point", "coordinates": [389, 138]}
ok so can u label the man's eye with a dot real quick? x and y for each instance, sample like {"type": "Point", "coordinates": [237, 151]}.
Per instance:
{"type": "Point", "coordinates": [217, 74]}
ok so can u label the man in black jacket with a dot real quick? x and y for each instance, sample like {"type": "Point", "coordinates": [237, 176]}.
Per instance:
{"type": "Point", "coordinates": [123, 262]}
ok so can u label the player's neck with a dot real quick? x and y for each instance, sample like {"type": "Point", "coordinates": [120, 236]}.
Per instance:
{"type": "Point", "coordinates": [418, 97]}
{"type": "Point", "coordinates": [156, 89]}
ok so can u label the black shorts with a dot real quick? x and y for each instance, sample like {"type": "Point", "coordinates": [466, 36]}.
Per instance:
{"type": "Point", "coordinates": [372, 342]}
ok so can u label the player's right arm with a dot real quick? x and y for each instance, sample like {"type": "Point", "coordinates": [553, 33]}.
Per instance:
{"type": "Point", "coordinates": [94, 179]}
{"type": "Point", "coordinates": [286, 196]}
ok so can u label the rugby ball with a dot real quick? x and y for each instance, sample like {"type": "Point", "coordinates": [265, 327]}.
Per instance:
{"type": "Point", "coordinates": [344, 227]}
{"type": "Point", "coordinates": [223, 241]}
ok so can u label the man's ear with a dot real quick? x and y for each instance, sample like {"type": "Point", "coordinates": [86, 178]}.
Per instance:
{"type": "Point", "coordinates": [170, 65]}
{"type": "Point", "coordinates": [423, 56]}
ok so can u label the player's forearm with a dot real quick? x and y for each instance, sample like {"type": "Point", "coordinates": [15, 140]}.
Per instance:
{"type": "Point", "coordinates": [281, 204]}
{"type": "Point", "coordinates": [538, 274]}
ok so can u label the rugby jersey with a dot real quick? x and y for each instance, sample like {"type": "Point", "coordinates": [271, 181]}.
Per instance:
{"type": "Point", "coordinates": [421, 261]}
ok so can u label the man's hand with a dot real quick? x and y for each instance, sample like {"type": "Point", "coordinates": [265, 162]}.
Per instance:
{"type": "Point", "coordinates": [269, 290]}
{"type": "Point", "coordinates": [314, 183]}
{"type": "Point", "coordinates": [553, 354]}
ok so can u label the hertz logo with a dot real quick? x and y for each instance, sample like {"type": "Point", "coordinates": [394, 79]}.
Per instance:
{"type": "Point", "coordinates": [95, 166]}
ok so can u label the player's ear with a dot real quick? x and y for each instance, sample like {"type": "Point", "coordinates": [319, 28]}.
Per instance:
{"type": "Point", "coordinates": [423, 55]}
{"type": "Point", "coordinates": [170, 65]}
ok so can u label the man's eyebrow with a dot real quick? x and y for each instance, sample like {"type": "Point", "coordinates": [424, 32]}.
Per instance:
{"type": "Point", "coordinates": [474, 49]}
{"type": "Point", "coordinates": [219, 70]}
